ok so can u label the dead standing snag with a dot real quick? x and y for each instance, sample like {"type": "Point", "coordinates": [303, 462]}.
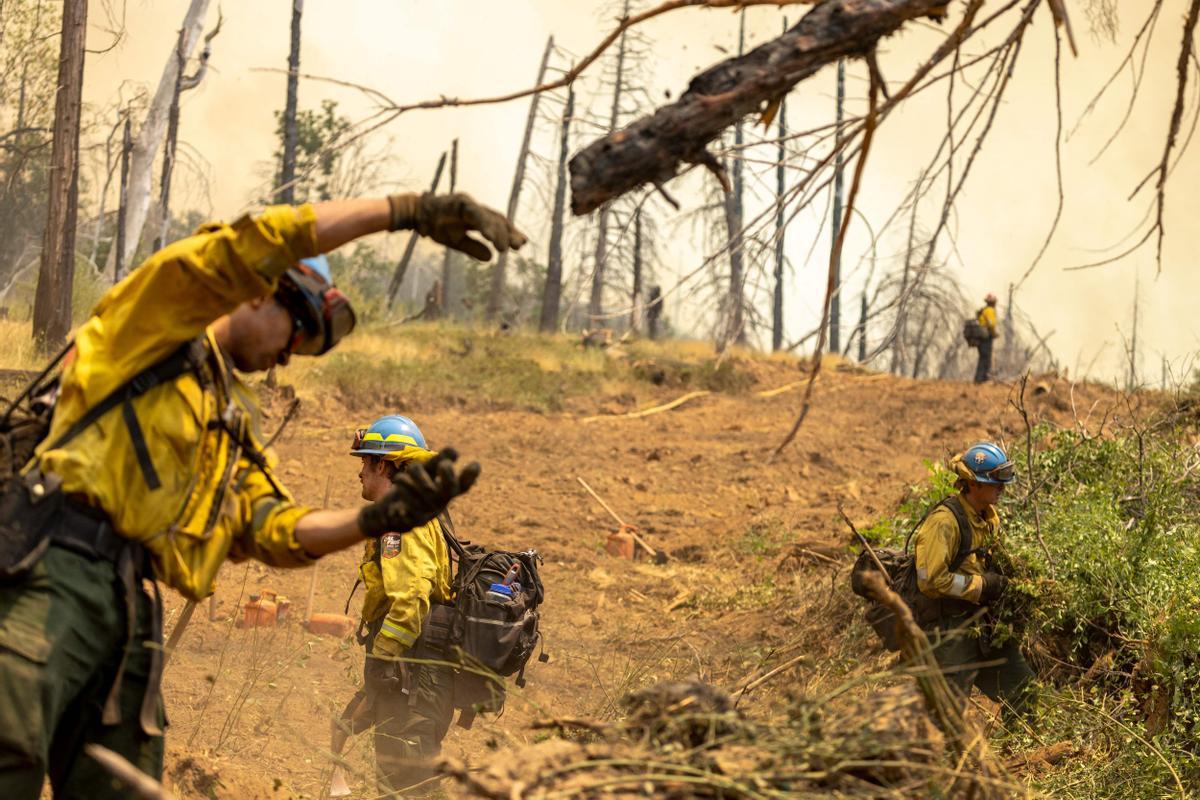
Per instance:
{"type": "Point", "coordinates": [653, 149]}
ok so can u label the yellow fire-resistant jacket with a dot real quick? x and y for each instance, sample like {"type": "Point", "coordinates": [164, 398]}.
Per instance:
{"type": "Point", "coordinates": [987, 318]}
{"type": "Point", "coordinates": [209, 505]}
{"type": "Point", "coordinates": [403, 574]}
{"type": "Point", "coordinates": [937, 543]}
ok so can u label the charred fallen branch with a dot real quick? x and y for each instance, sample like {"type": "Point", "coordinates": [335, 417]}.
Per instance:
{"type": "Point", "coordinates": [655, 148]}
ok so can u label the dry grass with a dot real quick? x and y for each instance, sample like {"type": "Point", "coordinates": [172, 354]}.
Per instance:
{"type": "Point", "coordinates": [17, 350]}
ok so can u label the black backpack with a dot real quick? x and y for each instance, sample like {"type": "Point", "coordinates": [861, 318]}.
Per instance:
{"type": "Point", "coordinates": [901, 574]}
{"type": "Point", "coordinates": [486, 637]}
{"type": "Point", "coordinates": [973, 330]}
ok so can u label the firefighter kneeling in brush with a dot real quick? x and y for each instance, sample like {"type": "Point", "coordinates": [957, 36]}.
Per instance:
{"type": "Point", "coordinates": [957, 581]}
{"type": "Point", "coordinates": [409, 704]}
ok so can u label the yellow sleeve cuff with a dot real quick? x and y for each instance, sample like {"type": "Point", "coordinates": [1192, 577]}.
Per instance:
{"type": "Point", "coordinates": [387, 643]}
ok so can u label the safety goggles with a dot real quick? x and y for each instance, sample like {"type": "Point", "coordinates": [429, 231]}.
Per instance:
{"type": "Point", "coordinates": [321, 313]}
{"type": "Point", "coordinates": [1005, 473]}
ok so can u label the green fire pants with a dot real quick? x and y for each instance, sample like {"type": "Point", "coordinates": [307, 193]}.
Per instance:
{"type": "Point", "coordinates": [1001, 673]}
{"type": "Point", "coordinates": [62, 637]}
{"type": "Point", "coordinates": [408, 728]}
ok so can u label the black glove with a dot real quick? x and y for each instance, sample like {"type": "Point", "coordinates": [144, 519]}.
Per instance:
{"type": "Point", "coordinates": [384, 674]}
{"type": "Point", "coordinates": [418, 494]}
{"type": "Point", "coordinates": [994, 585]}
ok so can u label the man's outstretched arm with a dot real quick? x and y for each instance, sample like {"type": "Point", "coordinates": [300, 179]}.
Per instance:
{"type": "Point", "coordinates": [453, 220]}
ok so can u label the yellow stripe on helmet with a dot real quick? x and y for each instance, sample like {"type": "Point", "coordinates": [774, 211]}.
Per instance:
{"type": "Point", "coordinates": [375, 436]}
{"type": "Point", "coordinates": [412, 454]}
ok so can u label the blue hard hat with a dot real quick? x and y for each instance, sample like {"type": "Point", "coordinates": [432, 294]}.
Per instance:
{"type": "Point", "coordinates": [389, 437]}
{"type": "Point", "coordinates": [985, 462]}
{"type": "Point", "coordinates": [320, 265]}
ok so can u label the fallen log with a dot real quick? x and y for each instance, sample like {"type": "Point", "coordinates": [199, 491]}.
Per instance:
{"type": "Point", "coordinates": [653, 149]}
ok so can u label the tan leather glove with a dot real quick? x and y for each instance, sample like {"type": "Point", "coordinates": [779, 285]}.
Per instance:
{"type": "Point", "coordinates": [449, 219]}
{"type": "Point", "coordinates": [388, 647]}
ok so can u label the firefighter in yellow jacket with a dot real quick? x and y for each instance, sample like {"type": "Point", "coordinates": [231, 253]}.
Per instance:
{"type": "Point", "coordinates": [171, 478]}
{"type": "Point", "coordinates": [408, 703]}
{"type": "Point", "coordinates": [958, 581]}
{"type": "Point", "coordinates": [990, 324]}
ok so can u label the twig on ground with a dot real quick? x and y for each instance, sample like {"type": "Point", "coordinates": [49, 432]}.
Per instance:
{"type": "Point", "coordinates": [676, 403]}
{"type": "Point", "coordinates": [625, 527]}
{"type": "Point", "coordinates": [751, 685]}
{"type": "Point", "coordinates": [142, 785]}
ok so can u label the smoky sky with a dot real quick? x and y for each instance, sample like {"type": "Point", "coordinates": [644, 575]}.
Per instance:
{"type": "Point", "coordinates": [413, 51]}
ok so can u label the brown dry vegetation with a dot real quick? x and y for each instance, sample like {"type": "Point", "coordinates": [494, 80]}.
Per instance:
{"type": "Point", "coordinates": [750, 583]}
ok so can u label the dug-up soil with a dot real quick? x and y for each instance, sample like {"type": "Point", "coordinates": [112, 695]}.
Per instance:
{"type": "Point", "coordinates": [755, 547]}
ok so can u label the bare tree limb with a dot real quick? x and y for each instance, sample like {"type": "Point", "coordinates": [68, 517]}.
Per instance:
{"type": "Point", "coordinates": [653, 149]}
{"type": "Point", "coordinates": [834, 258]}
{"type": "Point", "coordinates": [1163, 169]}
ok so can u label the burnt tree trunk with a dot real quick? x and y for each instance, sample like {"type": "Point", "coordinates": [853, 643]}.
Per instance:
{"type": "Point", "coordinates": [654, 310]}
{"type": "Point", "coordinates": [52, 303]}
{"type": "Point", "coordinates": [287, 169]}
{"type": "Point", "coordinates": [123, 198]}
{"type": "Point", "coordinates": [654, 148]}
{"type": "Point", "coordinates": [635, 299]}
{"type": "Point", "coordinates": [499, 277]}
{"type": "Point", "coordinates": [862, 327]}
{"type": "Point", "coordinates": [1010, 338]}
{"type": "Point", "coordinates": [596, 301]}
{"type": "Point", "coordinates": [734, 216]}
{"type": "Point", "coordinates": [552, 294]}
{"type": "Point", "coordinates": [402, 265]}
{"type": "Point", "coordinates": [168, 163]}
{"type": "Point", "coordinates": [835, 300]}
{"type": "Point", "coordinates": [898, 344]}
{"type": "Point", "coordinates": [780, 187]}
{"type": "Point", "coordinates": [450, 289]}
{"type": "Point", "coordinates": [1131, 384]}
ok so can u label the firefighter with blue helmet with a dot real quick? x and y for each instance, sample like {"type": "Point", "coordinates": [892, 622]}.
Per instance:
{"type": "Point", "coordinates": [409, 703]}
{"type": "Point", "coordinates": [958, 580]}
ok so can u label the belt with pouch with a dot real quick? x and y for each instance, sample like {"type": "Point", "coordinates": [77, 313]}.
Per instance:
{"type": "Point", "coordinates": [87, 531]}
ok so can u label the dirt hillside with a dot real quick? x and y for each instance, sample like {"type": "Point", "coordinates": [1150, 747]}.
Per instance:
{"type": "Point", "coordinates": [250, 709]}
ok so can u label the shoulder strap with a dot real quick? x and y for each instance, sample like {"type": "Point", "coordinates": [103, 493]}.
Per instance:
{"type": "Point", "coordinates": [921, 522]}
{"type": "Point", "coordinates": [965, 537]}
{"type": "Point", "coordinates": [171, 367]}
{"type": "Point", "coordinates": [447, 526]}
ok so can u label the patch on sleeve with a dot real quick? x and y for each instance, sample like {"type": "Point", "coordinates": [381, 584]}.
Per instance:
{"type": "Point", "coordinates": [389, 545]}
